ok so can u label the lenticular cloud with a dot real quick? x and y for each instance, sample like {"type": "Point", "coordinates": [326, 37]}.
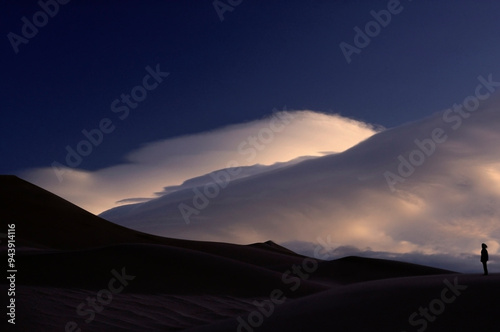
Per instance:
{"type": "Point", "coordinates": [447, 204]}
{"type": "Point", "coordinates": [278, 138]}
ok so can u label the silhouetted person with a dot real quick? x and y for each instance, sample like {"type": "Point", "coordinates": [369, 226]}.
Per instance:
{"type": "Point", "coordinates": [484, 258]}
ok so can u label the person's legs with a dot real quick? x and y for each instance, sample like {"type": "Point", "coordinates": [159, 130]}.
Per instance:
{"type": "Point", "coordinates": [485, 268]}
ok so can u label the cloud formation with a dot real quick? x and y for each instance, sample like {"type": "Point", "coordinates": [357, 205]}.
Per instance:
{"type": "Point", "coordinates": [445, 202]}
{"type": "Point", "coordinates": [280, 137]}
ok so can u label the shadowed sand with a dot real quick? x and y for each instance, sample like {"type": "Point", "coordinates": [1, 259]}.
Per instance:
{"type": "Point", "coordinates": [386, 305]}
{"type": "Point", "coordinates": [66, 255]}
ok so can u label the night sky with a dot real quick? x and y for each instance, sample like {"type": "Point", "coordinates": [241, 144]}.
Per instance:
{"type": "Point", "coordinates": [263, 55]}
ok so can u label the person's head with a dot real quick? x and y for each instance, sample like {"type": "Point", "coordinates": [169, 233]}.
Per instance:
{"type": "Point", "coordinates": [484, 246]}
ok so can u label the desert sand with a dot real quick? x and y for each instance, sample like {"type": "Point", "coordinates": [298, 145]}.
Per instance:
{"type": "Point", "coordinates": [78, 271]}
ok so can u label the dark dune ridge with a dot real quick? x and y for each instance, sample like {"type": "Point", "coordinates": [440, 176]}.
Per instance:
{"type": "Point", "coordinates": [66, 255]}
{"type": "Point", "coordinates": [46, 221]}
{"type": "Point", "coordinates": [156, 269]}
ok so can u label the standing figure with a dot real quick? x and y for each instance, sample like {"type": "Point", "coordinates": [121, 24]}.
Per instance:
{"type": "Point", "coordinates": [484, 258]}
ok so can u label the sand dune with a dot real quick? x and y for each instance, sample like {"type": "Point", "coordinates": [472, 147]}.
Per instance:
{"type": "Point", "coordinates": [67, 257]}
{"type": "Point", "coordinates": [46, 221]}
{"type": "Point", "coordinates": [385, 305]}
{"type": "Point", "coordinates": [49, 309]}
{"type": "Point", "coordinates": [154, 269]}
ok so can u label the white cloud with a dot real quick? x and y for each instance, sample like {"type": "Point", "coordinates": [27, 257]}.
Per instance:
{"type": "Point", "coordinates": [278, 138]}
{"type": "Point", "coordinates": [447, 206]}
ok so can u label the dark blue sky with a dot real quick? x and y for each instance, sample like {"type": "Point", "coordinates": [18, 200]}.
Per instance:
{"type": "Point", "coordinates": [264, 55]}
